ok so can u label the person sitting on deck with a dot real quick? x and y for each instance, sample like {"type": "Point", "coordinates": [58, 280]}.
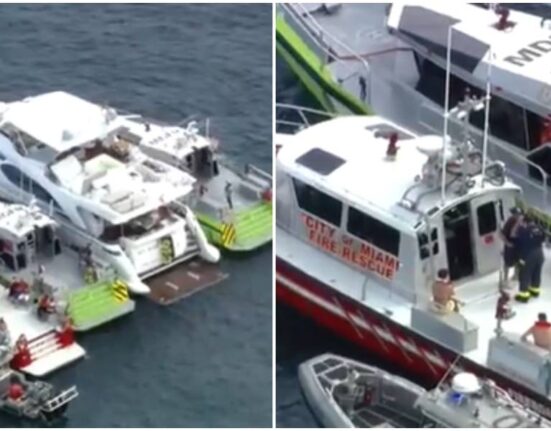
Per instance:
{"type": "Point", "coordinates": [443, 292]}
{"type": "Point", "coordinates": [16, 390]}
{"type": "Point", "coordinates": [46, 307]}
{"type": "Point", "coordinates": [19, 290]}
{"type": "Point", "coordinates": [540, 331]}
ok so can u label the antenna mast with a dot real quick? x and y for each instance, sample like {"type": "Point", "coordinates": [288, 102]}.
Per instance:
{"type": "Point", "coordinates": [446, 114]}
{"type": "Point", "coordinates": [487, 114]}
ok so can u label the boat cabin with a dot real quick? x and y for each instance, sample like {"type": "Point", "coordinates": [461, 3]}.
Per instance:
{"type": "Point", "coordinates": [371, 197]}
{"type": "Point", "coordinates": [25, 234]}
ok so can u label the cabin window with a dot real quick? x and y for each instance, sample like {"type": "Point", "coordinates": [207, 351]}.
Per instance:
{"type": "Point", "coordinates": [424, 245]}
{"type": "Point", "coordinates": [508, 121]}
{"type": "Point", "coordinates": [15, 176]}
{"type": "Point", "coordinates": [19, 179]}
{"type": "Point", "coordinates": [373, 231]}
{"type": "Point", "coordinates": [318, 203]}
{"type": "Point", "coordinates": [487, 221]}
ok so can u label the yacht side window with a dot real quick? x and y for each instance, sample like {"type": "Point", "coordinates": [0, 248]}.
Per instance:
{"type": "Point", "coordinates": [373, 231]}
{"type": "Point", "coordinates": [507, 122]}
{"type": "Point", "coordinates": [318, 203]}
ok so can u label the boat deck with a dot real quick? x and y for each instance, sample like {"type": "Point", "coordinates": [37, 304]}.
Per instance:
{"type": "Point", "coordinates": [215, 195]}
{"type": "Point", "coordinates": [480, 296]}
{"type": "Point", "coordinates": [183, 281]}
{"type": "Point", "coordinates": [61, 271]}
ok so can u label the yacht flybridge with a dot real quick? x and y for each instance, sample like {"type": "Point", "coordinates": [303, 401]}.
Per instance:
{"type": "Point", "coordinates": [114, 204]}
{"type": "Point", "coordinates": [368, 212]}
{"type": "Point", "coordinates": [392, 59]}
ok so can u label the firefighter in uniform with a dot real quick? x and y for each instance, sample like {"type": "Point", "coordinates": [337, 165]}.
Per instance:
{"type": "Point", "coordinates": [509, 236]}
{"type": "Point", "coordinates": [540, 332]}
{"type": "Point", "coordinates": [530, 247]}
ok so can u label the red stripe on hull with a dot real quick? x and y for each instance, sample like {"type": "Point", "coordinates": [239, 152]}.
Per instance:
{"type": "Point", "coordinates": [342, 327]}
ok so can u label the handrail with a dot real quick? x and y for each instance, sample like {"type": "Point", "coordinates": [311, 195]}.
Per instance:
{"type": "Point", "coordinates": [258, 172]}
{"type": "Point", "coordinates": [317, 39]}
{"type": "Point", "coordinates": [301, 112]}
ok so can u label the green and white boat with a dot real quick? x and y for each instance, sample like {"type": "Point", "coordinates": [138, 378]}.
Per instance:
{"type": "Point", "coordinates": [234, 208]}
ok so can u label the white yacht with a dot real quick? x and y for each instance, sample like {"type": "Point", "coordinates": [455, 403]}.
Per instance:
{"type": "Point", "coordinates": [113, 203]}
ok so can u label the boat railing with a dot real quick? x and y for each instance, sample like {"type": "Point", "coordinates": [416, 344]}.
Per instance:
{"type": "Point", "coordinates": [250, 168]}
{"type": "Point", "coordinates": [203, 124]}
{"type": "Point", "coordinates": [295, 117]}
{"type": "Point", "coordinates": [318, 35]}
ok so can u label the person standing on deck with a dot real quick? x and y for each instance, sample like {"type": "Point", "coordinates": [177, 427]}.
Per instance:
{"type": "Point", "coordinates": [229, 191]}
{"type": "Point", "coordinates": [530, 240]}
{"type": "Point", "coordinates": [509, 236]}
{"type": "Point", "coordinates": [540, 332]}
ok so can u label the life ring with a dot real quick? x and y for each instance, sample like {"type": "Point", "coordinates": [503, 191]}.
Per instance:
{"type": "Point", "coordinates": [498, 423]}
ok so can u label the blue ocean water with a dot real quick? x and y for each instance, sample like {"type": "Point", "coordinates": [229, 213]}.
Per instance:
{"type": "Point", "coordinates": [298, 338]}
{"type": "Point", "coordinates": [206, 361]}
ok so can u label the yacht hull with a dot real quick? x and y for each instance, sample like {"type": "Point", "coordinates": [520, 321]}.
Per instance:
{"type": "Point", "coordinates": [376, 332]}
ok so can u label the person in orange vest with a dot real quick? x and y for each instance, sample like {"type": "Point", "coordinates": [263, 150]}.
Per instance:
{"type": "Point", "coordinates": [443, 291]}
{"type": "Point", "coordinates": [16, 389]}
{"type": "Point", "coordinates": [540, 332]}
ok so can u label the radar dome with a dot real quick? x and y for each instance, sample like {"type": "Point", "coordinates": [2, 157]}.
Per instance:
{"type": "Point", "coordinates": [465, 383]}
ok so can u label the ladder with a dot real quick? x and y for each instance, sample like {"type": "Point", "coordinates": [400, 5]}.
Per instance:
{"type": "Point", "coordinates": [63, 398]}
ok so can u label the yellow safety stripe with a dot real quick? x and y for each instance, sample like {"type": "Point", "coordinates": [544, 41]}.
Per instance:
{"type": "Point", "coordinates": [120, 291]}
{"type": "Point", "coordinates": [228, 234]}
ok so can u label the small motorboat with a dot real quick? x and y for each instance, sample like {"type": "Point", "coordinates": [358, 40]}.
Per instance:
{"type": "Point", "coordinates": [344, 393]}
{"type": "Point", "coordinates": [37, 400]}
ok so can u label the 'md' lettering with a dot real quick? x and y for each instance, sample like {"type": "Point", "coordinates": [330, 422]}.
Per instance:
{"type": "Point", "coordinates": [530, 53]}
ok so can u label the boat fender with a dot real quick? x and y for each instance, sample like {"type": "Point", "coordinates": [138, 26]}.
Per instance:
{"type": "Point", "coordinates": [267, 195]}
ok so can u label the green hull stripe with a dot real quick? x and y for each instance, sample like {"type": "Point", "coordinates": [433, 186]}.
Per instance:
{"type": "Point", "coordinates": [292, 46]}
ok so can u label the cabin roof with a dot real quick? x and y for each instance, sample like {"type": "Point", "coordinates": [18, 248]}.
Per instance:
{"type": "Point", "coordinates": [20, 220]}
{"type": "Point", "coordinates": [474, 33]}
{"type": "Point", "coordinates": [367, 179]}
{"type": "Point", "coordinates": [58, 119]}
